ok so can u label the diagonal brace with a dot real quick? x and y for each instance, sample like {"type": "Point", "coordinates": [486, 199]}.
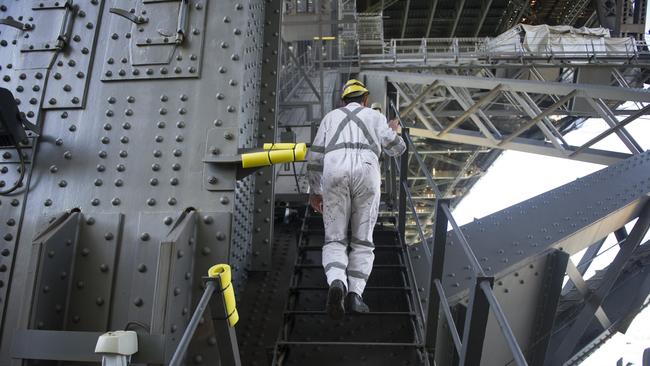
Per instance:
{"type": "Point", "coordinates": [539, 117]}
{"type": "Point", "coordinates": [472, 109]}
{"type": "Point", "coordinates": [594, 301]}
{"type": "Point", "coordinates": [418, 99]}
{"type": "Point", "coordinates": [614, 129]}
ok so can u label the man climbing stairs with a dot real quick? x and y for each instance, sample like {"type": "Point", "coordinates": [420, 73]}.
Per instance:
{"type": "Point", "coordinates": [389, 334]}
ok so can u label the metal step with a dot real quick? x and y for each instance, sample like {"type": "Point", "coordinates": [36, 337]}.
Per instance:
{"type": "Point", "coordinates": [389, 331]}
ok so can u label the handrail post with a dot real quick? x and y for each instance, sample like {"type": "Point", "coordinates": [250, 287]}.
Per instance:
{"type": "Point", "coordinates": [403, 176]}
{"type": "Point", "coordinates": [437, 263]}
{"type": "Point", "coordinates": [478, 310]}
{"type": "Point", "coordinates": [213, 297]}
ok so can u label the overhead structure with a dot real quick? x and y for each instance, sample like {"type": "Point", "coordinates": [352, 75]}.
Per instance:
{"type": "Point", "coordinates": [123, 130]}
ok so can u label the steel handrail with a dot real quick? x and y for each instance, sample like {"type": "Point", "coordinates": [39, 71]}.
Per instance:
{"type": "Point", "coordinates": [484, 281]}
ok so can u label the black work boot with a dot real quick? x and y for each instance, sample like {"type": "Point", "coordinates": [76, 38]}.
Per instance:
{"type": "Point", "coordinates": [335, 296]}
{"type": "Point", "coordinates": [354, 304]}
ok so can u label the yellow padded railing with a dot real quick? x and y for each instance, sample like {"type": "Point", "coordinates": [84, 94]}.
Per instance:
{"type": "Point", "coordinates": [222, 271]}
{"type": "Point", "coordinates": [275, 154]}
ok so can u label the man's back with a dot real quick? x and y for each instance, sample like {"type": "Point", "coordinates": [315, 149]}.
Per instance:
{"type": "Point", "coordinates": [350, 136]}
{"type": "Point", "coordinates": [344, 175]}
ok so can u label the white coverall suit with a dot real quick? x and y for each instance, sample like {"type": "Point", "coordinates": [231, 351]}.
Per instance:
{"type": "Point", "coordinates": [344, 168]}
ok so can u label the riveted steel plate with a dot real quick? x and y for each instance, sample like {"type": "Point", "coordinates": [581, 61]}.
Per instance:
{"type": "Point", "coordinates": [569, 218]}
{"type": "Point", "coordinates": [149, 50]}
{"type": "Point", "coordinates": [70, 72]}
{"type": "Point", "coordinates": [266, 132]}
{"type": "Point", "coordinates": [151, 266]}
{"type": "Point", "coordinates": [174, 280]}
{"type": "Point", "coordinates": [220, 159]}
{"type": "Point", "coordinates": [94, 270]}
{"type": "Point", "coordinates": [213, 247]}
{"type": "Point", "coordinates": [52, 261]}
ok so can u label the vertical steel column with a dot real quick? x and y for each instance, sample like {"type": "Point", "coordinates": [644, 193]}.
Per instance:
{"type": "Point", "coordinates": [265, 178]}
{"type": "Point", "coordinates": [437, 263]}
{"type": "Point", "coordinates": [403, 180]}
{"type": "Point", "coordinates": [476, 320]}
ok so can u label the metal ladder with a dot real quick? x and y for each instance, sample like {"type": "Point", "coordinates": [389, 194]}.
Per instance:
{"type": "Point", "coordinates": [391, 333]}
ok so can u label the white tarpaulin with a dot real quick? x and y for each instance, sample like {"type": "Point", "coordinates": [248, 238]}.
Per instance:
{"type": "Point", "coordinates": [559, 40]}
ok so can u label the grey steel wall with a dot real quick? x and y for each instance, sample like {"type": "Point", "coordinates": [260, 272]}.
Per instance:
{"type": "Point", "coordinates": [137, 131]}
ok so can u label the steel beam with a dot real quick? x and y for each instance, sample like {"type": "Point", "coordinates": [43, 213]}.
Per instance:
{"type": "Point", "coordinates": [432, 13]}
{"type": "Point", "coordinates": [524, 145]}
{"type": "Point", "coordinates": [485, 8]}
{"type": "Point", "coordinates": [465, 104]}
{"type": "Point", "coordinates": [417, 100]}
{"type": "Point", "coordinates": [538, 118]}
{"type": "Point", "coordinates": [528, 86]}
{"type": "Point", "coordinates": [472, 109]}
{"type": "Point", "coordinates": [460, 6]}
{"type": "Point", "coordinates": [425, 121]}
{"type": "Point", "coordinates": [264, 204]}
{"type": "Point", "coordinates": [585, 262]}
{"type": "Point", "coordinates": [302, 71]}
{"type": "Point", "coordinates": [609, 118]}
{"type": "Point", "coordinates": [405, 19]}
{"type": "Point", "coordinates": [595, 299]}
{"type": "Point", "coordinates": [608, 132]}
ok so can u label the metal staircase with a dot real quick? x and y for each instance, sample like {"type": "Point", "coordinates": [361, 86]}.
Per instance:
{"type": "Point", "coordinates": [391, 332]}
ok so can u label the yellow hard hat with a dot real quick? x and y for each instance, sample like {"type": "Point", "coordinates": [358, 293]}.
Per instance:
{"type": "Point", "coordinates": [353, 88]}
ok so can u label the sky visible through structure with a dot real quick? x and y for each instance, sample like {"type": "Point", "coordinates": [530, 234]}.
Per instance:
{"type": "Point", "coordinates": [518, 176]}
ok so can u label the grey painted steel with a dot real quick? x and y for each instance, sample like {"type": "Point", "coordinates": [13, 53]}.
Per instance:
{"type": "Point", "coordinates": [263, 210]}
{"type": "Point", "coordinates": [533, 146]}
{"type": "Point", "coordinates": [515, 85]}
{"type": "Point", "coordinates": [79, 346]}
{"type": "Point", "coordinates": [129, 126]}
{"type": "Point", "coordinates": [546, 309]}
{"type": "Point", "coordinates": [594, 300]}
{"type": "Point", "coordinates": [513, 244]}
{"type": "Point", "coordinates": [585, 262]}
{"type": "Point", "coordinates": [226, 339]}
{"type": "Point", "coordinates": [633, 285]}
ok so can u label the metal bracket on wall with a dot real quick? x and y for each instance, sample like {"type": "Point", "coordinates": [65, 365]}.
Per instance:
{"type": "Point", "coordinates": [137, 19]}
{"type": "Point", "coordinates": [15, 24]}
{"type": "Point", "coordinates": [65, 31]}
{"type": "Point", "coordinates": [221, 157]}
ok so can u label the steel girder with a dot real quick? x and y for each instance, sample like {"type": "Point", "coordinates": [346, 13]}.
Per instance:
{"type": "Point", "coordinates": [539, 100]}
{"type": "Point", "coordinates": [519, 111]}
{"type": "Point", "coordinates": [516, 246]}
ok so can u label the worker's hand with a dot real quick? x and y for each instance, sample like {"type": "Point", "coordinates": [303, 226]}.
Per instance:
{"type": "Point", "coordinates": [316, 202]}
{"type": "Point", "coordinates": [394, 125]}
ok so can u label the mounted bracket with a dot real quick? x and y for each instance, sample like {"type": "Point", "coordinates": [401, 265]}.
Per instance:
{"type": "Point", "coordinates": [220, 159]}
{"type": "Point", "coordinates": [15, 24]}
{"type": "Point", "coordinates": [65, 32]}
{"type": "Point", "coordinates": [181, 29]}
{"type": "Point", "coordinates": [137, 19]}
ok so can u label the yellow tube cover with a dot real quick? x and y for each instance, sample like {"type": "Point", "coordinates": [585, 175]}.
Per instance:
{"type": "Point", "coordinates": [223, 272]}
